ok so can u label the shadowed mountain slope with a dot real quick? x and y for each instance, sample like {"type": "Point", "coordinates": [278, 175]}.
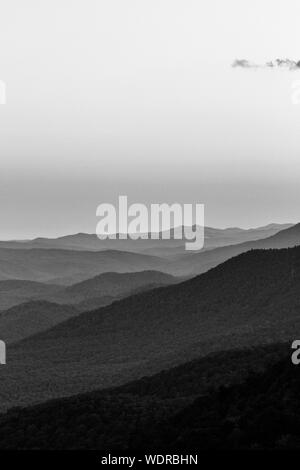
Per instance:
{"type": "Point", "coordinates": [113, 285]}
{"type": "Point", "coordinates": [163, 411]}
{"type": "Point", "coordinates": [57, 303]}
{"type": "Point", "coordinates": [32, 317]}
{"type": "Point", "coordinates": [15, 292]}
{"type": "Point", "coordinates": [197, 263]}
{"type": "Point", "coordinates": [249, 300]}
{"type": "Point", "coordinates": [261, 413]}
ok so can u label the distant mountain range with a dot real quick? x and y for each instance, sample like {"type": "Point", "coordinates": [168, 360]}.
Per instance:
{"type": "Point", "coordinates": [162, 248]}
{"type": "Point", "coordinates": [197, 263]}
{"type": "Point", "coordinates": [66, 266]}
{"type": "Point", "coordinates": [249, 300]}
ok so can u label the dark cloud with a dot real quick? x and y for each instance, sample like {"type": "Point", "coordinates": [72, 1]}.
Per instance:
{"type": "Point", "coordinates": [278, 63]}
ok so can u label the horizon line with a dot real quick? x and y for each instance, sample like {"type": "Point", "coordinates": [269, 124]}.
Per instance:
{"type": "Point", "coordinates": [27, 240]}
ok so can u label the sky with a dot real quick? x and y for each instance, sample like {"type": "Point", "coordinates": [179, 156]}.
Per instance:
{"type": "Point", "coordinates": [138, 98]}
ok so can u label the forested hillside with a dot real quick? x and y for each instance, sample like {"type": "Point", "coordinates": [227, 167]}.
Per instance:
{"type": "Point", "coordinates": [249, 300]}
{"type": "Point", "coordinates": [194, 406]}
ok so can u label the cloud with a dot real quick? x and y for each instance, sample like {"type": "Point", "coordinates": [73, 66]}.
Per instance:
{"type": "Point", "coordinates": [243, 63]}
{"type": "Point", "coordinates": [278, 63]}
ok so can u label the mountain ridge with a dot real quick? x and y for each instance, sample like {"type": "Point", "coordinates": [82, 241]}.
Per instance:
{"type": "Point", "coordinates": [86, 241]}
{"type": "Point", "coordinates": [54, 304]}
{"type": "Point", "coordinates": [250, 300]}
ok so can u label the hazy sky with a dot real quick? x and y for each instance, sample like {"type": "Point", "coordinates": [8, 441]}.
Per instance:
{"type": "Point", "coordinates": [109, 97]}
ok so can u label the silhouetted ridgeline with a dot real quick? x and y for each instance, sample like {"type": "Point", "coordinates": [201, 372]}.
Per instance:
{"type": "Point", "coordinates": [65, 267]}
{"type": "Point", "coordinates": [87, 242]}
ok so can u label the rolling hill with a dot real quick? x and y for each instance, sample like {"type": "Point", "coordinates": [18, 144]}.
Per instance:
{"type": "Point", "coordinates": [249, 300]}
{"type": "Point", "coordinates": [67, 267]}
{"type": "Point", "coordinates": [15, 292]}
{"type": "Point", "coordinates": [54, 304]}
{"type": "Point", "coordinates": [119, 284]}
{"type": "Point", "coordinates": [90, 292]}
